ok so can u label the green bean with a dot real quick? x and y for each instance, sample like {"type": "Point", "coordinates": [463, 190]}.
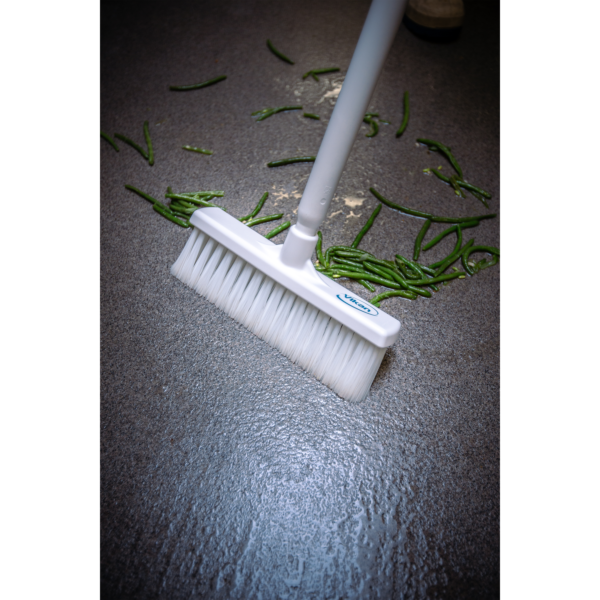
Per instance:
{"type": "Point", "coordinates": [164, 211]}
{"type": "Point", "coordinates": [374, 127]}
{"type": "Point", "coordinates": [371, 114]}
{"type": "Point", "coordinates": [149, 144]}
{"type": "Point", "coordinates": [256, 208]}
{"type": "Point", "coordinates": [367, 226]}
{"type": "Point", "coordinates": [402, 293]}
{"type": "Point", "coordinates": [419, 291]}
{"type": "Point", "coordinates": [386, 273]}
{"type": "Point", "coordinates": [366, 284]}
{"type": "Point", "coordinates": [196, 86]}
{"type": "Point", "coordinates": [187, 210]}
{"type": "Point", "coordinates": [142, 194]}
{"type": "Point", "coordinates": [278, 229]}
{"type": "Point", "coordinates": [408, 211]}
{"type": "Point", "coordinates": [441, 236]}
{"type": "Point", "coordinates": [427, 269]}
{"type": "Point", "coordinates": [468, 251]}
{"type": "Point", "coordinates": [179, 213]}
{"type": "Point", "coordinates": [264, 219]}
{"type": "Point", "coordinates": [289, 161]}
{"type": "Point", "coordinates": [405, 118]}
{"type": "Point", "coordinates": [109, 140]}
{"type": "Point", "coordinates": [320, 256]}
{"type": "Point", "coordinates": [454, 184]}
{"type": "Point", "coordinates": [272, 111]}
{"type": "Point", "coordinates": [198, 201]}
{"type": "Point", "coordinates": [194, 149]}
{"type": "Point", "coordinates": [453, 256]}
{"type": "Point", "coordinates": [445, 151]}
{"type": "Point", "coordinates": [316, 72]}
{"type": "Point", "coordinates": [169, 190]}
{"type": "Point", "coordinates": [438, 279]}
{"type": "Point", "coordinates": [312, 116]}
{"type": "Point", "coordinates": [132, 144]}
{"type": "Point", "coordinates": [401, 260]}
{"type": "Point", "coordinates": [337, 268]}
{"type": "Point", "coordinates": [349, 263]}
{"type": "Point", "coordinates": [419, 239]}
{"type": "Point", "coordinates": [484, 264]}
{"type": "Point", "coordinates": [217, 193]}
{"type": "Point", "coordinates": [345, 249]}
{"type": "Point", "coordinates": [367, 277]}
{"type": "Point", "coordinates": [477, 192]}
{"type": "Point", "coordinates": [278, 54]}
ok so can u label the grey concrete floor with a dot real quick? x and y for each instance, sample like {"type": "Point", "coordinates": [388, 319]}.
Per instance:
{"type": "Point", "coordinates": [227, 471]}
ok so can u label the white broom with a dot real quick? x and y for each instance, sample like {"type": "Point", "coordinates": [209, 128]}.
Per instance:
{"type": "Point", "coordinates": [274, 290]}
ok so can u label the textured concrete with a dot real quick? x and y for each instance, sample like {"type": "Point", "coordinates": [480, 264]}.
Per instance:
{"type": "Point", "coordinates": [226, 470]}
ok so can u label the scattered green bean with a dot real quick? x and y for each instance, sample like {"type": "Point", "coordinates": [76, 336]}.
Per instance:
{"type": "Point", "coordinates": [278, 229]}
{"type": "Point", "coordinates": [199, 150]}
{"type": "Point", "coordinates": [196, 86]}
{"type": "Point", "coordinates": [386, 273]}
{"type": "Point", "coordinates": [453, 256]}
{"type": "Point", "coordinates": [264, 219]}
{"type": "Point", "coordinates": [320, 256]}
{"type": "Point", "coordinates": [109, 140]}
{"type": "Point", "coordinates": [402, 293]}
{"type": "Point", "coordinates": [438, 238]}
{"type": "Point", "coordinates": [278, 54]}
{"type": "Point", "coordinates": [477, 192]}
{"type": "Point", "coordinates": [257, 208]}
{"type": "Point", "coordinates": [312, 116]}
{"type": "Point", "coordinates": [289, 161]}
{"type": "Point", "coordinates": [267, 112]}
{"type": "Point", "coordinates": [454, 184]}
{"type": "Point", "coordinates": [142, 194]}
{"type": "Point", "coordinates": [468, 251]}
{"type": "Point", "coordinates": [149, 144]}
{"type": "Point", "coordinates": [366, 284]}
{"type": "Point", "coordinates": [445, 151]}
{"type": "Point", "coordinates": [419, 239]}
{"type": "Point", "coordinates": [405, 118]}
{"type": "Point", "coordinates": [419, 291]}
{"type": "Point", "coordinates": [374, 127]}
{"type": "Point", "coordinates": [165, 212]}
{"type": "Point", "coordinates": [408, 211]}
{"type": "Point", "coordinates": [367, 226]}
{"type": "Point", "coordinates": [132, 144]}
{"type": "Point", "coordinates": [439, 278]}
{"type": "Point", "coordinates": [316, 72]}
{"type": "Point", "coordinates": [348, 263]}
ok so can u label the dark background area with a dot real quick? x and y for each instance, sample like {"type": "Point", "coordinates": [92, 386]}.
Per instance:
{"type": "Point", "coordinates": [226, 470]}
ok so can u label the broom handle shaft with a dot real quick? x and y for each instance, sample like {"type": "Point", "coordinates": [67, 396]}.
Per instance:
{"type": "Point", "coordinates": [373, 45]}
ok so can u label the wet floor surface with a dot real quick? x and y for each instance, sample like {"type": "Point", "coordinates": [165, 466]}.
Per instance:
{"type": "Point", "coordinates": [227, 471]}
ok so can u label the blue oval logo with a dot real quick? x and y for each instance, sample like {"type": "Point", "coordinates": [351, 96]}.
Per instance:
{"type": "Point", "coordinates": [358, 304]}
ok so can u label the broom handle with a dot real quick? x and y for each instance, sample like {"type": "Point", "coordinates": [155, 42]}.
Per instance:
{"type": "Point", "coordinates": [373, 45]}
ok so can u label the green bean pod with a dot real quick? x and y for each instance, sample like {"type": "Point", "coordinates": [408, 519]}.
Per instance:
{"type": "Point", "coordinates": [196, 86]}
{"type": "Point", "coordinates": [274, 111]}
{"type": "Point", "coordinates": [278, 54]}
{"type": "Point", "coordinates": [312, 116]}
{"type": "Point", "coordinates": [132, 144]}
{"type": "Point", "coordinates": [109, 140]}
{"type": "Point", "coordinates": [278, 230]}
{"type": "Point", "coordinates": [468, 251]}
{"type": "Point", "coordinates": [419, 239]}
{"type": "Point", "coordinates": [165, 212]}
{"type": "Point", "coordinates": [319, 249]}
{"type": "Point", "coordinates": [194, 149]}
{"type": "Point", "coordinates": [289, 161]}
{"type": "Point", "coordinates": [142, 194]}
{"type": "Point", "coordinates": [374, 127]}
{"type": "Point", "coordinates": [405, 118]}
{"type": "Point", "coordinates": [264, 219]}
{"type": "Point", "coordinates": [445, 151]}
{"type": "Point", "coordinates": [402, 293]}
{"type": "Point", "coordinates": [198, 201]}
{"type": "Point", "coordinates": [148, 143]}
{"type": "Point", "coordinates": [316, 72]}
{"type": "Point", "coordinates": [403, 209]}
{"type": "Point", "coordinates": [256, 208]}
{"type": "Point", "coordinates": [367, 226]}
{"type": "Point", "coordinates": [366, 284]}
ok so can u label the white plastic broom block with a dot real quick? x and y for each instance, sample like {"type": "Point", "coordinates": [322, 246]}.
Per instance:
{"type": "Point", "coordinates": [369, 322]}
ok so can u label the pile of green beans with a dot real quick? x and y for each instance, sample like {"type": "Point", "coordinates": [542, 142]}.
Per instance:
{"type": "Point", "coordinates": [402, 277]}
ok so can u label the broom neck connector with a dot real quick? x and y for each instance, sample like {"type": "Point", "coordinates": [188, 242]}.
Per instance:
{"type": "Point", "coordinates": [298, 246]}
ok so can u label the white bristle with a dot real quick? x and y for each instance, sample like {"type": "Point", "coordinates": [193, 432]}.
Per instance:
{"type": "Point", "coordinates": [333, 353]}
